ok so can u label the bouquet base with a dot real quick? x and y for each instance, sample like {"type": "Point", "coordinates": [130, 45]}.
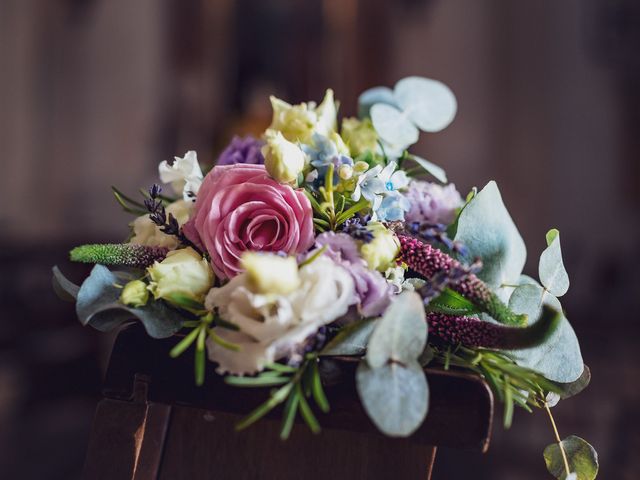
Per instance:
{"type": "Point", "coordinates": [154, 423]}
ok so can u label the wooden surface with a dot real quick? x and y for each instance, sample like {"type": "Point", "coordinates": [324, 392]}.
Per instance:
{"type": "Point", "coordinates": [155, 423]}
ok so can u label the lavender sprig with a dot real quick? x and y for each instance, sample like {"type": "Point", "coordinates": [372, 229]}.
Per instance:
{"type": "Point", "coordinates": [167, 223]}
{"type": "Point", "coordinates": [437, 232]}
{"type": "Point", "coordinates": [356, 227]}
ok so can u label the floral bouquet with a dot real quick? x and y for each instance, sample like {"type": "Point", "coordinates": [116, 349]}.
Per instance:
{"type": "Point", "coordinates": [317, 241]}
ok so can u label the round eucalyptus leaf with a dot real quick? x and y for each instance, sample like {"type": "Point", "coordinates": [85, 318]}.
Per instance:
{"type": "Point", "coordinates": [558, 358]}
{"type": "Point", "coordinates": [393, 126]}
{"type": "Point", "coordinates": [581, 456]}
{"type": "Point", "coordinates": [395, 396]}
{"type": "Point", "coordinates": [430, 104]}
{"type": "Point", "coordinates": [400, 334]}
{"type": "Point", "coordinates": [374, 95]}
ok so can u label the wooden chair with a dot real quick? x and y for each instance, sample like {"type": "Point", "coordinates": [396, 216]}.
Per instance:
{"type": "Point", "coordinates": [154, 423]}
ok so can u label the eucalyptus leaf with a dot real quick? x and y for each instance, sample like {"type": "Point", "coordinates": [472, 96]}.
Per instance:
{"type": "Point", "coordinates": [351, 339]}
{"type": "Point", "coordinates": [393, 126]}
{"type": "Point", "coordinates": [372, 96]}
{"type": "Point", "coordinates": [395, 396]}
{"type": "Point", "coordinates": [551, 269]}
{"type": "Point", "coordinates": [581, 456]}
{"type": "Point", "coordinates": [567, 390]}
{"type": "Point", "coordinates": [64, 288]}
{"type": "Point", "coordinates": [558, 358]}
{"type": "Point", "coordinates": [401, 334]}
{"type": "Point", "coordinates": [487, 230]}
{"type": "Point", "coordinates": [429, 104]}
{"type": "Point", "coordinates": [434, 170]}
{"type": "Point", "coordinates": [98, 305]}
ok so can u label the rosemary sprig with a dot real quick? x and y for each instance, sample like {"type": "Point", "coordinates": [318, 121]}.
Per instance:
{"type": "Point", "coordinates": [296, 386]}
{"type": "Point", "coordinates": [511, 383]}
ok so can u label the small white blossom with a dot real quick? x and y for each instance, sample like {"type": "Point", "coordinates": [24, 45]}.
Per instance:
{"type": "Point", "coordinates": [184, 175]}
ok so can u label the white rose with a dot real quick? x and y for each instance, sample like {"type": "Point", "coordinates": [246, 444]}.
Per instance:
{"type": "Point", "coordinates": [271, 327]}
{"type": "Point", "coordinates": [145, 232]}
{"type": "Point", "coordinates": [182, 272]}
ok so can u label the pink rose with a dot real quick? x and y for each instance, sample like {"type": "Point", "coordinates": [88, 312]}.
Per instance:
{"type": "Point", "coordinates": [240, 207]}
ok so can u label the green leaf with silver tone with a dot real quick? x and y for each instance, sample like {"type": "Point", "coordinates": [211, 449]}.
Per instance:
{"type": "Point", "coordinates": [428, 103]}
{"type": "Point", "coordinates": [431, 168]}
{"type": "Point", "coordinates": [390, 381]}
{"type": "Point", "coordinates": [351, 339]}
{"type": "Point", "coordinates": [551, 269]}
{"type": "Point", "coordinates": [374, 95]}
{"type": "Point", "coordinates": [393, 126]}
{"type": "Point", "coordinates": [580, 455]}
{"type": "Point", "coordinates": [487, 230]}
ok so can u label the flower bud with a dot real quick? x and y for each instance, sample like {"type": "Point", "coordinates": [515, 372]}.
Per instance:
{"type": "Point", "coordinates": [283, 160]}
{"type": "Point", "coordinates": [359, 135]}
{"type": "Point", "coordinates": [135, 294]}
{"type": "Point", "coordinates": [345, 172]}
{"type": "Point", "coordinates": [360, 167]}
{"type": "Point", "coordinates": [184, 272]}
{"type": "Point", "coordinates": [380, 252]}
{"type": "Point", "coordinates": [270, 274]}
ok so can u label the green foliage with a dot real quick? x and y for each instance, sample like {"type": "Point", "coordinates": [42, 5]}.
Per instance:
{"type": "Point", "coordinates": [390, 380]}
{"type": "Point", "coordinates": [451, 302]}
{"type": "Point", "coordinates": [567, 390]}
{"type": "Point", "coordinates": [295, 386]}
{"type": "Point", "coordinates": [431, 168]}
{"type": "Point", "coordinates": [98, 305]}
{"type": "Point", "coordinates": [581, 459]}
{"type": "Point", "coordinates": [65, 289]}
{"type": "Point", "coordinates": [551, 269]}
{"type": "Point", "coordinates": [510, 382]}
{"type": "Point", "coordinates": [352, 339]}
{"type": "Point", "coordinates": [487, 230]}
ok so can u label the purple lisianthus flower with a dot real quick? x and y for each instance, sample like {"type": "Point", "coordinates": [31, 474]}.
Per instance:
{"type": "Point", "coordinates": [242, 150]}
{"type": "Point", "coordinates": [373, 291]}
{"type": "Point", "coordinates": [432, 203]}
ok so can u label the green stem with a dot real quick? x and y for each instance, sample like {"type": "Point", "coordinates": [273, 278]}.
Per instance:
{"type": "Point", "coordinates": [558, 439]}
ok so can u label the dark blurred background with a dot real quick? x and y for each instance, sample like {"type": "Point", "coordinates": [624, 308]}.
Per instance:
{"type": "Point", "coordinates": [97, 92]}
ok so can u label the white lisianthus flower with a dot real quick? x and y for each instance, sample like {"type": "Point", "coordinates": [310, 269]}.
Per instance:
{"type": "Point", "coordinates": [299, 122]}
{"type": "Point", "coordinates": [273, 326]}
{"type": "Point", "coordinates": [283, 159]}
{"type": "Point", "coordinates": [184, 175]}
{"type": "Point", "coordinates": [183, 272]}
{"type": "Point", "coordinates": [145, 232]}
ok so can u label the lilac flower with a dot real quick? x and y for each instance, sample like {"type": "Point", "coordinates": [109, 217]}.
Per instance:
{"type": "Point", "coordinates": [432, 203]}
{"type": "Point", "coordinates": [373, 291]}
{"type": "Point", "coordinates": [242, 150]}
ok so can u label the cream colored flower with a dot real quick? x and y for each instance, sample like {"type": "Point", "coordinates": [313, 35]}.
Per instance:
{"type": "Point", "coordinates": [145, 232]}
{"type": "Point", "coordinates": [135, 294]}
{"type": "Point", "coordinates": [184, 175]}
{"type": "Point", "coordinates": [359, 135]}
{"type": "Point", "coordinates": [381, 252]}
{"type": "Point", "coordinates": [299, 122]}
{"type": "Point", "coordinates": [272, 326]}
{"type": "Point", "coordinates": [283, 159]}
{"type": "Point", "coordinates": [183, 272]}
{"type": "Point", "coordinates": [268, 273]}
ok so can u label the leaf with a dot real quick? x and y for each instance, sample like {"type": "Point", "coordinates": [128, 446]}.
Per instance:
{"type": "Point", "coordinates": [558, 358]}
{"type": "Point", "coordinates": [567, 390]}
{"type": "Point", "coordinates": [581, 456]}
{"type": "Point", "coordinates": [551, 269]}
{"type": "Point", "coordinates": [98, 305]}
{"type": "Point", "coordinates": [64, 288]}
{"type": "Point", "coordinates": [430, 104]}
{"type": "Point", "coordinates": [487, 230]}
{"type": "Point", "coordinates": [401, 334]}
{"type": "Point", "coordinates": [437, 172]}
{"type": "Point", "coordinates": [372, 96]}
{"type": "Point", "coordinates": [351, 339]}
{"type": "Point", "coordinates": [393, 126]}
{"type": "Point", "coordinates": [396, 397]}
{"type": "Point", "coordinates": [451, 302]}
